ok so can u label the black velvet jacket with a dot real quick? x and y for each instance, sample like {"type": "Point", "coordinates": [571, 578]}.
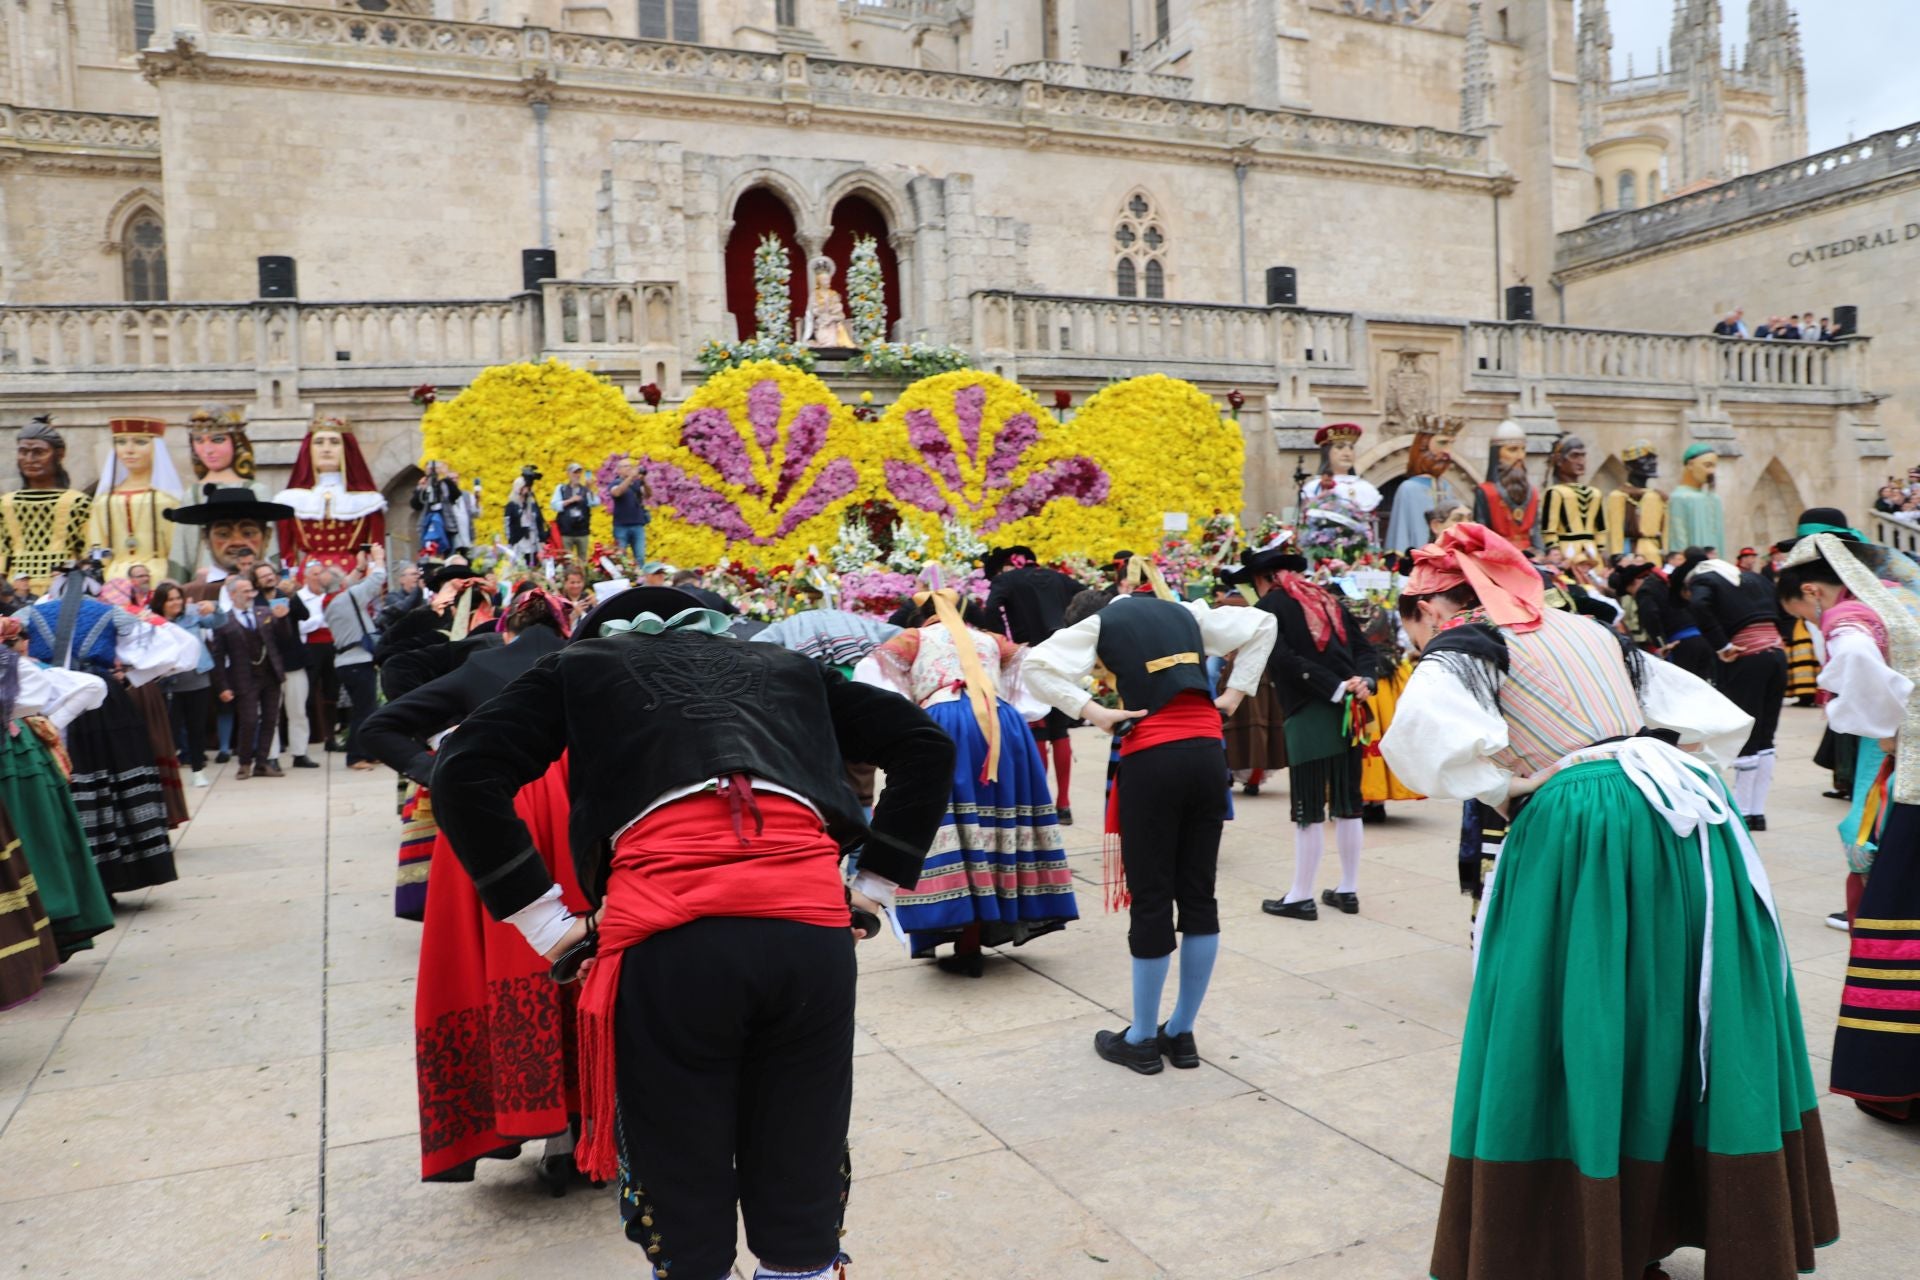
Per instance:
{"type": "Point", "coordinates": [1302, 673]}
{"type": "Point", "coordinates": [642, 715]}
{"type": "Point", "coordinates": [1721, 608]}
{"type": "Point", "coordinates": [396, 733]}
{"type": "Point", "coordinates": [1030, 603]}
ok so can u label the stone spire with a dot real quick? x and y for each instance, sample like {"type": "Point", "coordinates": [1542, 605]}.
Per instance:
{"type": "Point", "coordinates": [1699, 70]}
{"type": "Point", "coordinates": [1773, 55]}
{"type": "Point", "coordinates": [1596, 66]}
{"type": "Point", "coordinates": [1476, 81]}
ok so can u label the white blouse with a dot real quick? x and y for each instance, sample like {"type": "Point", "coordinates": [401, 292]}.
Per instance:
{"type": "Point", "coordinates": [1059, 668]}
{"type": "Point", "coordinates": [1870, 697]}
{"type": "Point", "coordinates": [1442, 737]}
{"type": "Point", "coordinates": [60, 695]}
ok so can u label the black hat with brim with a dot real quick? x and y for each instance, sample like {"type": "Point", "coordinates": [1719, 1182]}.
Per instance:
{"type": "Point", "coordinates": [1831, 517]}
{"type": "Point", "coordinates": [630, 604]}
{"type": "Point", "coordinates": [231, 502]}
{"type": "Point", "coordinates": [1281, 559]}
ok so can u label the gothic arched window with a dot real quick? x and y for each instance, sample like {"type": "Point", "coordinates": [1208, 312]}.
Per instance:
{"type": "Point", "coordinates": [143, 257]}
{"type": "Point", "coordinates": [1739, 153]}
{"type": "Point", "coordinates": [143, 24]}
{"type": "Point", "coordinates": [670, 20]}
{"type": "Point", "coordinates": [1629, 190]}
{"type": "Point", "coordinates": [1140, 249]}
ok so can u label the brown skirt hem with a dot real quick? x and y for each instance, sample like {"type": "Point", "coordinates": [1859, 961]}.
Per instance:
{"type": "Point", "coordinates": [1759, 1217]}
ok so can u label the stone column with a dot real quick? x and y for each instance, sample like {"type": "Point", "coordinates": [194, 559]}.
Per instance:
{"type": "Point", "coordinates": [931, 274]}
{"type": "Point", "coordinates": [905, 288]}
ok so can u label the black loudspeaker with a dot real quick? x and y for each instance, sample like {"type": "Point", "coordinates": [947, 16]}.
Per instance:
{"type": "Point", "coordinates": [537, 265]}
{"type": "Point", "coordinates": [1283, 287]}
{"type": "Point", "coordinates": [1520, 302]}
{"type": "Point", "coordinates": [1846, 321]}
{"type": "Point", "coordinates": [277, 278]}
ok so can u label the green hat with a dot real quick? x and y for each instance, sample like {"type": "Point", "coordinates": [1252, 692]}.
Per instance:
{"type": "Point", "coordinates": [1697, 450]}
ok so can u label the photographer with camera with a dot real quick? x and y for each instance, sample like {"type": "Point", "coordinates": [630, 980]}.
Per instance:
{"type": "Point", "coordinates": [349, 617]}
{"type": "Point", "coordinates": [440, 510]}
{"type": "Point", "coordinates": [573, 504]}
{"type": "Point", "coordinates": [526, 524]}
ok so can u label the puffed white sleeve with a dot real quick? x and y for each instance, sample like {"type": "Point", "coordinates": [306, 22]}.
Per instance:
{"type": "Point", "coordinates": [1870, 697]}
{"type": "Point", "coordinates": [1058, 668]}
{"type": "Point", "coordinates": [60, 695]}
{"type": "Point", "coordinates": [1679, 701]}
{"type": "Point", "coordinates": [1442, 737]}
{"type": "Point", "coordinates": [1247, 633]}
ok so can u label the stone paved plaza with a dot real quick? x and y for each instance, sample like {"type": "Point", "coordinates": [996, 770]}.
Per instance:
{"type": "Point", "coordinates": [225, 1087]}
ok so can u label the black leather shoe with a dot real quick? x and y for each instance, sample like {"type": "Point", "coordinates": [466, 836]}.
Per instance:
{"type": "Point", "coordinates": [1116, 1048]}
{"type": "Point", "coordinates": [972, 963]}
{"type": "Point", "coordinates": [1758, 822]}
{"type": "Point", "coordinates": [1347, 902]}
{"type": "Point", "coordinates": [1179, 1050]}
{"type": "Point", "coordinates": [223, 757]}
{"type": "Point", "coordinates": [1066, 815]}
{"type": "Point", "coordinates": [1301, 910]}
{"type": "Point", "coordinates": [1837, 795]}
{"type": "Point", "coordinates": [301, 762]}
{"type": "Point", "coordinates": [1249, 788]}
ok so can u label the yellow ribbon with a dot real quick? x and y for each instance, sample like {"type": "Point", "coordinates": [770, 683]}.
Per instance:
{"type": "Point", "coordinates": [1140, 564]}
{"type": "Point", "coordinates": [979, 689]}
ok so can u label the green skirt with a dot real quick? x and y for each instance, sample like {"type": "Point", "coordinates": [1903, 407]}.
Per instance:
{"type": "Point", "coordinates": [35, 794]}
{"type": "Point", "coordinates": [1582, 1148]}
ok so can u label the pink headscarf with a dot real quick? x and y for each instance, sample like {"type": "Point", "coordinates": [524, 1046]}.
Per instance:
{"type": "Point", "coordinates": [1510, 589]}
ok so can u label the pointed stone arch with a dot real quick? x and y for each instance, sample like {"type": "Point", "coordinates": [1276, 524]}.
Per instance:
{"type": "Point", "coordinates": [1775, 504]}
{"type": "Point", "coordinates": [123, 212]}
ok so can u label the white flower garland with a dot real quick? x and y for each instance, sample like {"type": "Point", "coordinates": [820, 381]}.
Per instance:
{"type": "Point", "coordinates": [867, 292]}
{"type": "Point", "coordinates": [772, 303]}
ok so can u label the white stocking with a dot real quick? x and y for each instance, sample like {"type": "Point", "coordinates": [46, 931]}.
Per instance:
{"type": "Point", "coordinates": [1762, 782]}
{"type": "Point", "coordinates": [1309, 844]}
{"type": "Point", "coordinates": [1347, 839]}
{"type": "Point", "coordinates": [1746, 770]}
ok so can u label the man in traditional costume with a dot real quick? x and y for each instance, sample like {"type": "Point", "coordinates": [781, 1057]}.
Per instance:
{"type": "Point", "coordinates": [1508, 502]}
{"type": "Point", "coordinates": [1636, 513]}
{"type": "Point", "coordinates": [43, 523]}
{"type": "Point", "coordinates": [1324, 671]}
{"type": "Point", "coordinates": [1171, 797]}
{"type": "Point", "coordinates": [1866, 602]}
{"type": "Point", "coordinates": [1634, 1076]}
{"type": "Point", "coordinates": [222, 459]}
{"type": "Point", "coordinates": [1735, 612]}
{"type": "Point", "coordinates": [709, 814]}
{"type": "Point", "coordinates": [1027, 602]}
{"type": "Point", "coordinates": [337, 508]}
{"type": "Point", "coordinates": [1696, 518]}
{"type": "Point", "coordinates": [1423, 489]}
{"type": "Point", "coordinates": [1337, 507]}
{"type": "Point", "coordinates": [1575, 519]}
{"type": "Point", "coordinates": [236, 525]}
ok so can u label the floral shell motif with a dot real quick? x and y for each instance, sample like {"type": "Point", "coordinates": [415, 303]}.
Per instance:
{"type": "Point", "coordinates": [753, 459]}
{"type": "Point", "coordinates": [974, 449]}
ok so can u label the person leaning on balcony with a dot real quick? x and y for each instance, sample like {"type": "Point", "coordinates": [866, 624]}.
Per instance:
{"type": "Point", "coordinates": [1731, 325]}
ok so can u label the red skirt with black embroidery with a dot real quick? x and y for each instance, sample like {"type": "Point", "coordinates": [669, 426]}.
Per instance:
{"type": "Point", "coordinates": [494, 1036]}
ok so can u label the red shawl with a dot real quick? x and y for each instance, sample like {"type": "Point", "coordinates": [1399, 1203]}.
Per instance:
{"type": "Point", "coordinates": [1324, 616]}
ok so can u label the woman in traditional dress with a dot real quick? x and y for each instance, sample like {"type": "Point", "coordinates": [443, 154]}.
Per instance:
{"type": "Point", "coordinates": [1633, 1076]}
{"type": "Point", "coordinates": [493, 1034]}
{"type": "Point", "coordinates": [116, 785]}
{"type": "Point", "coordinates": [997, 874]}
{"type": "Point", "coordinates": [138, 486]}
{"type": "Point", "coordinates": [35, 793]}
{"type": "Point", "coordinates": [1866, 601]}
{"type": "Point", "coordinates": [28, 952]}
{"type": "Point", "coordinates": [337, 508]}
{"type": "Point", "coordinates": [150, 700]}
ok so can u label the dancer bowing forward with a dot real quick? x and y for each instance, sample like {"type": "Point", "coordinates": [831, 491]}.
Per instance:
{"type": "Point", "coordinates": [1633, 1076]}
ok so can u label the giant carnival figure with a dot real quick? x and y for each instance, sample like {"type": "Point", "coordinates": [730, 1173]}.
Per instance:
{"type": "Point", "coordinates": [43, 523]}
{"type": "Point", "coordinates": [1508, 501]}
{"type": "Point", "coordinates": [1697, 519]}
{"type": "Point", "coordinates": [137, 488]}
{"type": "Point", "coordinates": [336, 506]}
{"type": "Point", "coordinates": [1637, 512]}
{"type": "Point", "coordinates": [1424, 489]}
{"type": "Point", "coordinates": [1337, 507]}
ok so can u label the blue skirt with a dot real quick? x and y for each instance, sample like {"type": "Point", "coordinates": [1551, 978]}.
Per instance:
{"type": "Point", "coordinates": [999, 861]}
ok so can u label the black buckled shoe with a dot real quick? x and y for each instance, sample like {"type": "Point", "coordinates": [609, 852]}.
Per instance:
{"type": "Point", "coordinates": [1301, 910]}
{"type": "Point", "coordinates": [1347, 902]}
{"type": "Point", "coordinates": [1756, 822]}
{"type": "Point", "coordinates": [1179, 1050]}
{"type": "Point", "coordinates": [1116, 1048]}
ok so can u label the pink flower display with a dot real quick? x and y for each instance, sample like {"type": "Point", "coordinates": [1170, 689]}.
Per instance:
{"type": "Point", "coordinates": [1077, 479]}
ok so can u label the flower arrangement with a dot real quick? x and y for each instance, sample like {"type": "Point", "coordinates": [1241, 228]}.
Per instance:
{"type": "Point", "coordinates": [772, 302]}
{"type": "Point", "coordinates": [716, 355]}
{"type": "Point", "coordinates": [973, 447]}
{"type": "Point", "coordinates": [761, 463]}
{"type": "Point", "coordinates": [1139, 426]}
{"type": "Point", "coordinates": [510, 415]}
{"type": "Point", "coordinates": [424, 394]}
{"type": "Point", "coordinates": [651, 393]}
{"type": "Point", "coordinates": [910, 359]}
{"type": "Point", "coordinates": [866, 293]}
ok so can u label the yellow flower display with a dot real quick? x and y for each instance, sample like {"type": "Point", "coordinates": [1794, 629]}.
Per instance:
{"type": "Point", "coordinates": [1168, 448]}
{"type": "Point", "coordinates": [761, 463]}
{"type": "Point", "coordinates": [512, 415]}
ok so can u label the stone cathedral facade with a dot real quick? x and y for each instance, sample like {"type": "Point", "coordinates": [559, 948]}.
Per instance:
{"type": "Point", "coordinates": [1069, 189]}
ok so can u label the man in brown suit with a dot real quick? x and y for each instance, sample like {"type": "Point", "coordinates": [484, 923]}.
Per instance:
{"type": "Point", "coordinates": [247, 672]}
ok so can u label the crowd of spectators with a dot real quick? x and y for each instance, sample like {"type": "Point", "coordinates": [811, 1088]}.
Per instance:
{"type": "Point", "coordinates": [1787, 328]}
